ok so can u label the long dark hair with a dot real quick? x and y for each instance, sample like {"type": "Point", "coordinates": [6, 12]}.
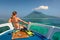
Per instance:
{"type": "Point", "coordinates": [13, 14]}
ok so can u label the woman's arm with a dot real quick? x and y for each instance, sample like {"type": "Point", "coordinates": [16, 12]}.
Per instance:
{"type": "Point", "coordinates": [9, 20]}
{"type": "Point", "coordinates": [23, 21]}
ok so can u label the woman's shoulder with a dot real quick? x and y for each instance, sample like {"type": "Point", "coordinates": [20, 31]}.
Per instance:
{"type": "Point", "coordinates": [18, 17]}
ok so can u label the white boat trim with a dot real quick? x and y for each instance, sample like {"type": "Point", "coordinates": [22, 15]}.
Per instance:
{"type": "Point", "coordinates": [7, 24]}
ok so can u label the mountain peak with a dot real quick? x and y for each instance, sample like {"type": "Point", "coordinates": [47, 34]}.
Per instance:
{"type": "Point", "coordinates": [36, 14]}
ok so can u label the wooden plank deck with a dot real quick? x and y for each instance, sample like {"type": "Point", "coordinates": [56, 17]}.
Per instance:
{"type": "Point", "coordinates": [19, 34]}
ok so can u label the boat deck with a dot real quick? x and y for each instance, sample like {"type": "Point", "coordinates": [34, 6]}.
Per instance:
{"type": "Point", "coordinates": [19, 34]}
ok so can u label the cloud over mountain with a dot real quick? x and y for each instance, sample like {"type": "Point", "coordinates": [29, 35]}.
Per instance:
{"type": "Point", "coordinates": [41, 8]}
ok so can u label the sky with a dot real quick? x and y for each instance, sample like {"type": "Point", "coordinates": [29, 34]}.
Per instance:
{"type": "Point", "coordinates": [25, 7]}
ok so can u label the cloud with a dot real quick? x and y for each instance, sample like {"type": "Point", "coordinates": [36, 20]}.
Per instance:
{"type": "Point", "coordinates": [41, 8]}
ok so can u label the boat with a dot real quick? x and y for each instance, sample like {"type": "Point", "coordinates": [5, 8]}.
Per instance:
{"type": "Point", "coordinates": [19, 35]}
{"type": "Point", "coordinates": [36, 31]}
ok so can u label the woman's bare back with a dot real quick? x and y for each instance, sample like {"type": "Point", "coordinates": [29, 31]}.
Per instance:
{"type": "Point", "coordinates": [15, 22]}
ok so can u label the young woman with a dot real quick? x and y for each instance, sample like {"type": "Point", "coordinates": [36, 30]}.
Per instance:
{"type": "Point", "coordinates": [15, 20]}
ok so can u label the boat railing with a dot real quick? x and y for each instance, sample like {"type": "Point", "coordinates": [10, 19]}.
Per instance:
{"type": "Point", "coordinates": [51, 29]}
{"type": "Point", "coordinates": [6, 27]}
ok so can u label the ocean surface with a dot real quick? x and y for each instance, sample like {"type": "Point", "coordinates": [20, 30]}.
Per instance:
{"type": "Point", "coordinates": [48, 21]}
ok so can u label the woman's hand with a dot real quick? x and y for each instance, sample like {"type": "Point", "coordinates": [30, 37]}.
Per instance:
{"type": "Point", "coordinates": [29, 22]}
